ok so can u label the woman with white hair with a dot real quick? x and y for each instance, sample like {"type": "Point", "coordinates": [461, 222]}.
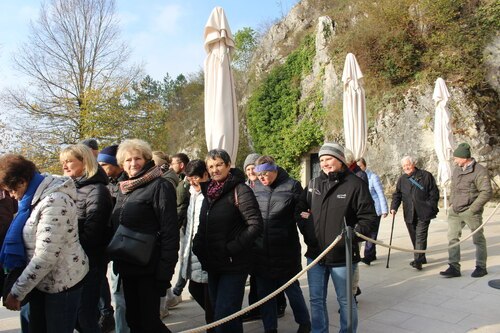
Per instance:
{"type": "Point", "coordinates": [146, 204]}
{"type": "Point", "coordinates": [94, 205]}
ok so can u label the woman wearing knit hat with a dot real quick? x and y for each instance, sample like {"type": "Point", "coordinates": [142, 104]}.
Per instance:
{"type": "Point", "coordinates": [333, 197]}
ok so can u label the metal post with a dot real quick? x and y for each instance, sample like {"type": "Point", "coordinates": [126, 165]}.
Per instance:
{"type": "Point", "coordinates": [348, 263]}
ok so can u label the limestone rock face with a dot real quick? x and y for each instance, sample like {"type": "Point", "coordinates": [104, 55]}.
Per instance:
{"type": "Point", "coordinates": [401, 127]}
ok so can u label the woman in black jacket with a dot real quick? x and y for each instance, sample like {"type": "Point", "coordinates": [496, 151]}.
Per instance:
{"type": "Point", "coordinates": [94, 205]}
{"type": "Point", "coordinates": [146, 203]}
{"type": "Point", "coordinates": [230, 221]}
{"type": "Point", "coordinates": [278, 248]}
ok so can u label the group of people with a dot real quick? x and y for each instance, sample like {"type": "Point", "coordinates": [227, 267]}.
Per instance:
{"type": "Point", "coordinates": [219, 225]}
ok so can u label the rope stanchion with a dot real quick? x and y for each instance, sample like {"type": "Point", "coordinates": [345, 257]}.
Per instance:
{"type": "Point", "coordinates": [429, 251]}
{"type": "Point", "coordinates": [268, 297]}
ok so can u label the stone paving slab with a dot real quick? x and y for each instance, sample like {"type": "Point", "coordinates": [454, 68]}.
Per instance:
{"type": "Point", "coordinates": [398, 299]}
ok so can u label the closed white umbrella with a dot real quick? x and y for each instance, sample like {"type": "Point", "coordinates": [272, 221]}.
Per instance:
{"type": "Point", "coordinates": [443, 136]}
{"type": "Point", "coordinates": [354, 110]}
{"type": "Point", "coordinates": [221, 113]}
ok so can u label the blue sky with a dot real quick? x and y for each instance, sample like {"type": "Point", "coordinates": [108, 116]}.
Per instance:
{"type": "Point", "coordinates": [165, 35]}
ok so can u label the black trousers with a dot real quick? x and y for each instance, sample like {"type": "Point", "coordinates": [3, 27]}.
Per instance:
{"type": "Point", "coordinates": [418, 230]}
{"type": "Point", "coordinates": [199, 291]}
{"type": "Point", "coordinates": [142, 299]}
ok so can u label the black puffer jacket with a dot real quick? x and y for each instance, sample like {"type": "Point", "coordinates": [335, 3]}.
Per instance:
{"type": "Point", "coordinates": [94, 206]}
{"type": "Point", "coordinates": [150, 209]}
{"type": "Point", "coordinates": [278, 248]}
{"type": "Point", "coordinates": [226, 233]}
{"type": "Point", "coordinates": [331, 198]}
{"type": "Point", "coordinates": [422, 201]}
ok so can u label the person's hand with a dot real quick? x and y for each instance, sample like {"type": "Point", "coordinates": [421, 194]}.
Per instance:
{"type": "Point", "coordinates": [12, 303]}
{"type": "Point", "coordinates": [393, 212]}
{"type": "Point", "coordinates": [305, 215]}
{"type": "Point", "coordinates": [384, 215]}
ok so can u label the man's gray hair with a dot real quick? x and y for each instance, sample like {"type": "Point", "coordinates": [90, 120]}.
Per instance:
{"type": "Point", "coordinates": [409, 158]}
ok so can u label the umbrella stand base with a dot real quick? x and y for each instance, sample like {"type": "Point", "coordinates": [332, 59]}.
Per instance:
{"type": "Point", "coordinates": [494, 284]}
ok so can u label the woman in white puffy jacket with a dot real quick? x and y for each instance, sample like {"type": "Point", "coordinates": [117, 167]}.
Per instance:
{"type": "Point", "coordinates": [43, 241]}
{"type": "Point", "coordinates": [196, 173]}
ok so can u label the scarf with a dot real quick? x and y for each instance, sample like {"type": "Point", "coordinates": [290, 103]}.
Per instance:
{"type": "Point", "coordinates": [215, 189]}
{"type": "Point", "coordinates": [13, 254]}
{"type": "Point", "coordinates": [128, 186]}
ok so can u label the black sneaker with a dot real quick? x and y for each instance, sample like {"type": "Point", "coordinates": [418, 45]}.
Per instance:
{"type": "Point", "coordinates": [366, 261]}
{"type": "Point", "coordinates": [281, 311]}
{"type": "Point", "coordinates": [251, 316]}
{"type": "Point", "coordinates": [304, 328]}
{"type": "Point", "coordinates": [450, 272]}
{"type": "Point", "coordinates": [107, 323]}
{"type": "Point", "coordinates": [479, 272]}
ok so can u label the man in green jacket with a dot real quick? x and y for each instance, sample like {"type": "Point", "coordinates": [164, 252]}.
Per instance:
{"type": "Point", "coordinates": [470, 191]}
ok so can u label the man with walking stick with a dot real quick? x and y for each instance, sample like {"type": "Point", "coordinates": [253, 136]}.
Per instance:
{"type": "Point", "coordinates": [418, 192]}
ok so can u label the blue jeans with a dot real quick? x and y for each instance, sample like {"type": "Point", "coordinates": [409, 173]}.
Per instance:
{"type": "Point", "coordinates": [266, 286]}
{"type": "Point", "coordinates": [120, 308]}
{"type": "Point", "coordinates": [226, 294]}
{"type": "Point", "coordinates": [54, 313]}
{"type": "Point", "coordinates": [88, 313]}
{"type": "Point", "coordinates": [317, 278]}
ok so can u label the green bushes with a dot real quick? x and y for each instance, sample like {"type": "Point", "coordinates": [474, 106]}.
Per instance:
{"type": "Point", "coordinates": [281, 123]}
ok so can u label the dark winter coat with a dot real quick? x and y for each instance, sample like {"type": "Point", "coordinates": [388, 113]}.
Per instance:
{"type": "Point", "coordinates": [94, 206]}
{"type": "Point", "coordinates": [470, 188]}
{"type": "Point", "coordinates": [417, 203]}
{"type": "Point", "coordinates": [150, 209]}
{"type": "Point", "coordinates": [227, 232]}
{"type": "Point", "coordinates": [330, 198]}
{"type": "Point", "coordinates": [278, 248]}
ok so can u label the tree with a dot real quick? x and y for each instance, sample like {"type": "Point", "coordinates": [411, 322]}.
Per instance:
{"type": "Point", "coordinates": [74, 61]}
{"type": "Point", "coordinates": [245, 43]}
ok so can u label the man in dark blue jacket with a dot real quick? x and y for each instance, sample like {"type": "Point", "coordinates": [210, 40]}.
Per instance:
{"type": "Point", "coordinates": [417, 190]}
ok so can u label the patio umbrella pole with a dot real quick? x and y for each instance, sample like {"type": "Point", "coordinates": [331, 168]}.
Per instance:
{"type": "Point", "coordinates": [348, 252]}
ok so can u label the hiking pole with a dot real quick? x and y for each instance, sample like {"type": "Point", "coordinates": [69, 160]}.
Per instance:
{"type": "Point", "coordinates": [390, 240]}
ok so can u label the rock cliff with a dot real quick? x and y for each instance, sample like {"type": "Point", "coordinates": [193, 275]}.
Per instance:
{"type": "Point", "coordinates": [403, 125]}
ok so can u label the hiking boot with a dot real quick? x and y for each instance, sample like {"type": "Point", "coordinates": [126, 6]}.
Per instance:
{"type": "Point", "coordinates": [450, 272]}
{"type": "Point", "coordinates": [479, 272]}
{"type": "Point", "coordinates": [417, 265]}
{"type": "Point", "coordinates": [304, 328]}
{"type": "Point", "coordinates": [107, 323]}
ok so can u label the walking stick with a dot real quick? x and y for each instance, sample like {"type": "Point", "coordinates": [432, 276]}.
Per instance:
{"type": "Point", "coordinates": [390, 240]}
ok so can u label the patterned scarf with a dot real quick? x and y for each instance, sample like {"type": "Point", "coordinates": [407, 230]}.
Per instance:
{"type": "Point", "coordinates": [215, 189]}
{"type": "Point", "coordinates": [128, 186]}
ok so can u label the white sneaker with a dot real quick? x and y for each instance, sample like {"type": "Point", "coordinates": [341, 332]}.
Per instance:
{"type": "Point", "coordinates": [164, 313]}
{"type": "Point", "coordinates": [173, 301]}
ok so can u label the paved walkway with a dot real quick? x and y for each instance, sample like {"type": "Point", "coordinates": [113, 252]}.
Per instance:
{"type": "Point", "coordinates": [398, 299]}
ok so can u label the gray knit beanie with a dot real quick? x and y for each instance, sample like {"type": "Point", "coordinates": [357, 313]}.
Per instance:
{"type": "Point", "coordinates": [251, 159]}
{"type": "Point", "coordinates": [333, 149]}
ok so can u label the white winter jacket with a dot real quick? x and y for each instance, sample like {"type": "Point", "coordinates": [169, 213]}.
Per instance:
{"type": "Point", "coordinates": [56, 260]}
{"type": "Point", "coordinates": [190, 265]}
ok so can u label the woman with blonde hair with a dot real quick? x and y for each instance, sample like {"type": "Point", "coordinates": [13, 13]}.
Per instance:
{"type": "Point", "coordinates": [94, 206]}
{"type": "Point", "coordinates": [146, 204]}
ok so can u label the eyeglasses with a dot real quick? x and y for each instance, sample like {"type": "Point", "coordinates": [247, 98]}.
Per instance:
{"type": "Point", "coordinates": [263, 174]}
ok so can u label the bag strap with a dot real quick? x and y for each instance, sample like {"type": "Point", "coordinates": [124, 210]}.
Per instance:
{"type": "Point", "coordinates": [414, 182]}
{"type": "Point", "coordinates": [236, 201]}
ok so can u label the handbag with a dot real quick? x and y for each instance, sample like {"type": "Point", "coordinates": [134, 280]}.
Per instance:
{"type": "Point", "coordinates": [131, 246]}
{"type": "Point", "coordinates": [11, 278]}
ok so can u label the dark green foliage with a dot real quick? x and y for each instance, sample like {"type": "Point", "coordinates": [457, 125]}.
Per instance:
{"type": "Point", "coordinates": [280, 123]}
